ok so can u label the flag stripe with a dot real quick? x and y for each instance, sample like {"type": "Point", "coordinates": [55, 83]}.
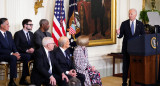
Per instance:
{"type": "Point", "coordinates": [57, 29]}
{"type": "Point", "coordinates": [56, 34]}
{"type": "Point", "coordinates": [64, 28]}
{"type": "Point", "coordinates": [54, 38]}
{"type": "Point", "coordinates": [59, 26]}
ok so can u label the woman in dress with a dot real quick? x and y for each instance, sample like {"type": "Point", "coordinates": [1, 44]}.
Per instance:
{"type": "Point", "coordinates": [82, 64]}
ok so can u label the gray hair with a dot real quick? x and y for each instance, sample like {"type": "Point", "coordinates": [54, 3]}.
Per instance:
{"type": "Point", "coordinates": [42, 21]}
{"type": "Point", "coordinates": [62, 40]}
{"type": "Point", "coordinates": [83, 40]}
{"type": "Point", "coordinates": [47, 40]}
{"type": "Point", "coordinates": [134, 10]}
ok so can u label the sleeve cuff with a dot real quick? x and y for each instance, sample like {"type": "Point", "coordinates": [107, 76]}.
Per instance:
{"type": "Point", "coordinates": [67, 72]}
{"type": "Point", "coordinates": [11, 53]}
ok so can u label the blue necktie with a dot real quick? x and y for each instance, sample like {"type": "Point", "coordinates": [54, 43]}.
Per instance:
{"type": "Point", "coordinates": [67, 57]}
{"type": "Point", "coordinates": [29, 42]}
{"type": "Point", "coordinates": [132, 28]}
{"type": "Point", "coordinates": [5, 36]}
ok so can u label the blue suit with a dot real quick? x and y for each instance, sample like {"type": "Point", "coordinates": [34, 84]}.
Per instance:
{"type": "Point", "coordinates": [6, 50]}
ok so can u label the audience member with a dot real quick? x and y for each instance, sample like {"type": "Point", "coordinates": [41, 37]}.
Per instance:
{"type": "Point", "coordinates": [46, 70]}
{"type": "Point", "coordinates": [8, 51]}
{"type": "Point", "coordinates": [64, 59]}
{"type": "Point", "coordinates": [92, 76]}
{"type": "Point", "coordinates": [41, 33]}
{"type": "Point", "coordinates": [24, 43]}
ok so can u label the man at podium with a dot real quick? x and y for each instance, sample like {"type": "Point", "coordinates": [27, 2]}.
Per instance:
{"type": "Point", "coordinates": [129, 29]}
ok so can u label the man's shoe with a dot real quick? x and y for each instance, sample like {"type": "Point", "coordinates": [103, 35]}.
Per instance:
{"type": "Point", "coordinates": [23, 82]}
{"type": "Point", "coordinates": [12, 83]}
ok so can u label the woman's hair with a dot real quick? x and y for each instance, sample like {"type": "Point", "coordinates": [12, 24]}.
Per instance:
{"type": "Point", "coordinates": [83, 40]}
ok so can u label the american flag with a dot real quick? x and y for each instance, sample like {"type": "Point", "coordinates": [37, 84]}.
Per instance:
{"type": "Point", "coordinates": [59, 25]}
{"type": "Point", "coordinates": [72, 29]}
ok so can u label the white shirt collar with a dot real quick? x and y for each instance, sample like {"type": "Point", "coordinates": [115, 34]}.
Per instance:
{"type": "Point", "coordinates": [25, 31]}
{"type": "Point", "coordinates": [46, 51]}
{"type": "Point", "coordinates": [2, 32]}
{"type": "Point", "coordinates": [133, 21]}
{"type": "Point", "coordinates": [63, 51]}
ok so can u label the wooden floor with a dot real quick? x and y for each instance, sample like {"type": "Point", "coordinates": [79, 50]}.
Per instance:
{"type": "Point", "coordinates": [106, 81]}
{"type": "Point", "coordinates": [112, 81]}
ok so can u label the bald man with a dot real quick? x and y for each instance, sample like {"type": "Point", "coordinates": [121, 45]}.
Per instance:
{"type": "Point", "coordinates": [129, 29]}
{"type": "Point", "coordinates": [63, 57]}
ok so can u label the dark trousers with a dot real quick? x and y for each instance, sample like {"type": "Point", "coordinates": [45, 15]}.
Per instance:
{"type": "Point", "coordinates": [80, 76]}
{"type": "Point", "coordinates": [25, 58]}
{"type": "Point", "coordinates": [12, 60]}
{"type": "Point", "coordinates": [126, 63]}
{"type": "Point", "coordinates": [38, 81]}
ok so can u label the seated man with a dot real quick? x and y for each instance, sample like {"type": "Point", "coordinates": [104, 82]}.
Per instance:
{"type": "Point", "coordinates": [8, 51]}
{"type": "Point", "coordinates": [46, 70]}
{"type": "Point", "coordinates": [24, 43]}
{"type": "Point", "coordinates": [41, 33]}
{"type": "Point", "coordinates": [63, 57]}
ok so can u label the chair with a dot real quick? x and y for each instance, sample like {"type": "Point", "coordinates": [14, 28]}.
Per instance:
{"type": "Point", "coordinates": [4, 66]}
{"type": "Point", "coordinates": [19, 67]}
{"type": "Point", "coordinates": [30, 65]}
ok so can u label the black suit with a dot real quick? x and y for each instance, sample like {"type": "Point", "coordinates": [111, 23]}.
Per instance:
{"type": "Point", "coordinates": [40, 74]}
{"type": "Point", "coordinates": [67, 65]}
{"type": "Point", "coordinates": [125, 32]}
{"type": "Point", "coordinates": [22, 45]}
{"type": "Point", "coordinates": [21, 41]}
{"type": "Point", "coordinates": [5, 53]}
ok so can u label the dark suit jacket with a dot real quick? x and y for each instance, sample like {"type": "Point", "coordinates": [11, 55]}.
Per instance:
{"type": "Point", "coordinates": [125, 31]}
{"type": "Point", "coordinates": [63, 61]}
{"type": "Point", "coordinates": [21, 41]}
{"type": "Point", "coordinates": [41, 66]}
{"type": "Point", "coordinates": [4, 48]}
{"type": "Point", "coordinates": [38, 36]}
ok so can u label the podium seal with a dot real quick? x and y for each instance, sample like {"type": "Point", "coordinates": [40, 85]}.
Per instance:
{"type": "Point", "coordinates": [153, 42]}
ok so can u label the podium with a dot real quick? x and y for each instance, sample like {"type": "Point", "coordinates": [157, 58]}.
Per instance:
{"type": "Point", "coordinates": [142, 50]}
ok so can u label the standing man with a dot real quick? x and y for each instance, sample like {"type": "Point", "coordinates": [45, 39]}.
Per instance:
{"type": "Point", "coordinates": [63, 57]}
{"type": "Point", "coordinates": [24, 43]}
{"type": "Point", "coordinates": [46, 70]}
{"type": "Point", "coordinates": [8, 51]}
{"type": "Point", "coordinates": [41, 33]}
{"type": "Point", "coordinates": [129, 29]}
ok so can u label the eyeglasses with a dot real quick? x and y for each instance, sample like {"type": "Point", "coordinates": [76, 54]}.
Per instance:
{"type": "Point", "coordinates": [30, 24]}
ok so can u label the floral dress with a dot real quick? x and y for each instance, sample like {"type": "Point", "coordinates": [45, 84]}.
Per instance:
{"type": "Point", "coordinates": [82, 66]}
